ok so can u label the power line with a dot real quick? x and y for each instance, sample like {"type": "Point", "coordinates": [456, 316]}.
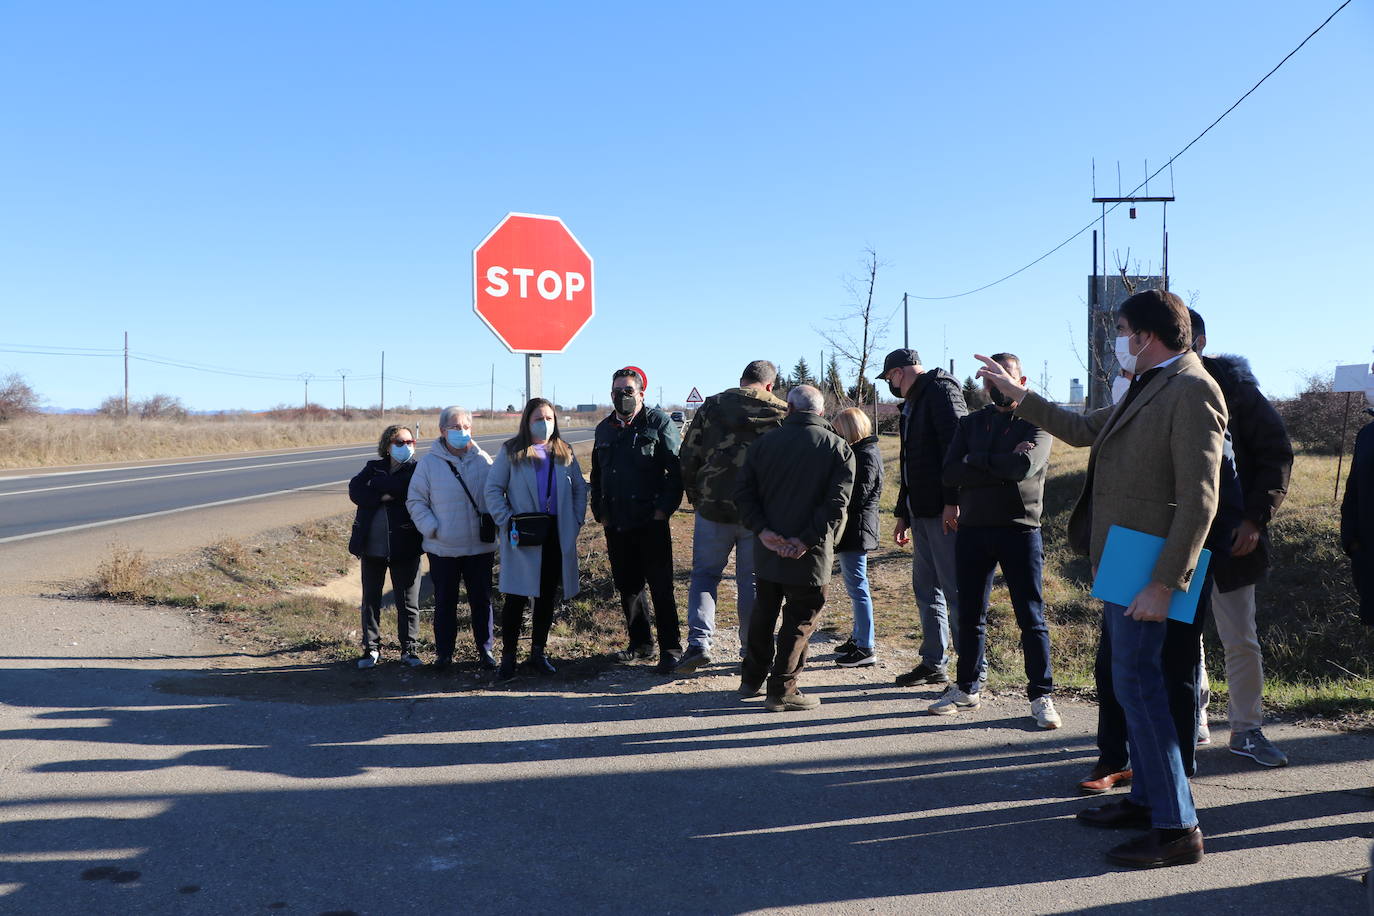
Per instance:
{"type": "Point", "coordinates": [1156, 172]}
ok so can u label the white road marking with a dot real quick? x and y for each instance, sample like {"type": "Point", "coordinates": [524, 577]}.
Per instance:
{"type": "Point", "coordinates": [108, 483]}
{"type": "Point", "coordinates": [171, 464]}
{"type": "Point", "coordinates": [135, 518]}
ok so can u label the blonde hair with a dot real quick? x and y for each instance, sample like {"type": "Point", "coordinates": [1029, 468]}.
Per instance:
{"type": "Point", "coordinates": [853, 424]}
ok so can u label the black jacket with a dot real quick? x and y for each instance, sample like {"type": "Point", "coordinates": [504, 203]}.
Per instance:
{"type": "Point", "coordinates": [1357, 519]}
{"type": "Point", "coordinates": [1263, 462]}
{"type": "Point", "coordinates": [374, 481]}
{"type": "Point", "coordinates": [998, 487]}
{"type": "Point", "coordinates": [930, 417]}
{"type": "Point", "coordinates": [861, 518]}
{"type": "Point", "coordinates": [635, 470]}
{"type": "Point", "coordinates": [796, 481]}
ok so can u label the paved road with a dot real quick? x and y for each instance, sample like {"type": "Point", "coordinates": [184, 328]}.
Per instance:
{"type": "Point", "coordinates": [144, 770]}
{"type": "Point", "coordinates": [47, 503]}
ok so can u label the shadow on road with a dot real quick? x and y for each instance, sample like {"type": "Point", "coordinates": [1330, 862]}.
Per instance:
{"type": "Point", "coordinates": [604, 800]}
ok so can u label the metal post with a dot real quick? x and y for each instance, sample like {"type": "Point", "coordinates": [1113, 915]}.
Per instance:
{"type": "Point", "coordinates": [1340, 449]}
{"type": "Point", "coordinates": [491, 410]}
{"type": "Point", "coordinates": [381, 398]}
{"type": "Point", "coordinates": [906, 324]}
{"type": "Point", "coordinates": [534, 376]}
{"type": "Point", "coordinates": [343, 389]}
{"type": "Point", "coordinates": [126, 375]}
{"type": "Point", "coordinates": [305, 409]}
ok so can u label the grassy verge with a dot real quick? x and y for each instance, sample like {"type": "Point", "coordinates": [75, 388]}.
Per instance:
{"type": "Point", "coordinates": [49, 441]}
{"type": "Point", "coordinates": [1319, 658]}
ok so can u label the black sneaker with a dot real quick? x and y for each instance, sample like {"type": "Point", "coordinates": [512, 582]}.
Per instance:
{"type": "Point", "coordinates": [667, 662]}
{"type": "Point", "coordinates": [507, 672]}
{"type": "Point", "coordinates": [857, 658]}
{"type": "Point", "coordinates": [922, 674]}
{"type": "Point", "coordinates": [695, 657]}
{"type": "Point", "coordinates": [844, 648]}
{"type": "Point", "coordinates": [635, 653]}
{"type": "Point", "coordinates": [485, 660]}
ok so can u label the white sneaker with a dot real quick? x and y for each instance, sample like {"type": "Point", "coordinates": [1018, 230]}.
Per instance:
{"type": "Point", "coordinates": [953, 701]}
{"type": "Point", "coordinates": [411, 660]}
{"type": "Point", "coordinates": [369, 659]}
{"type": "Point", "coordinates": [1204, 734]}
{"type": "Point", "coordinates": [1046, 716]}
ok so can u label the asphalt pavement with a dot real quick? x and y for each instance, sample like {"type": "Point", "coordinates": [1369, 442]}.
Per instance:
{"type": "Point", "coordinates": [147, 768]}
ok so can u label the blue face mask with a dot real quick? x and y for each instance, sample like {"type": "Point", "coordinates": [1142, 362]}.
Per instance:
{"type": "Point", "coordinates": [458, 438]}
{"type": "Point", "coordinates": [540, 430]}
{"type": "Point", "coordinates": [402, 453]}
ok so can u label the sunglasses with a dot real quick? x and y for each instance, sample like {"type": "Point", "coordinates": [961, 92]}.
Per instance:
{"type": "Point", "coordinates": [402, 441]}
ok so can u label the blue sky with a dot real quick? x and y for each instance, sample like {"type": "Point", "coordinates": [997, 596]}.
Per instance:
{"type": "Point", "coordinates": [296, 187]}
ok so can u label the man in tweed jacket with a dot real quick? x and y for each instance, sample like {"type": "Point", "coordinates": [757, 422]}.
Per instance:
{"type": "Point", "coordinates": [1154, 468]}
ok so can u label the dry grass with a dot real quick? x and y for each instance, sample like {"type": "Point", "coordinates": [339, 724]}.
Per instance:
{"type": "Point", "coordinates": [50, 441]}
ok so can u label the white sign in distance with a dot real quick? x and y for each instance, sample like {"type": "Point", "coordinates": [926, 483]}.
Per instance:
{"type": "Point", "coordinates": [1352, 378]}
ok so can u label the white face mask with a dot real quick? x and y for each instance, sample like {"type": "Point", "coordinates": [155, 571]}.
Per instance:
{"type": "Point", "coordinates": [1120, 385]}
{"type": "Point", "coordinates": [1124, 356]}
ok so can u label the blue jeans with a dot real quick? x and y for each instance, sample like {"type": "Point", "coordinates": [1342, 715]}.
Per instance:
{"type": "Point", "coordinates": [978, 551]}
{"type": "Point", "coordinates": [711, 546]}
{"type": "Point", "coordinates": [1138, 679]}
{"type": "Point", "coordinates": [854, 568]}
{"type": "Point", "coordinates": [936, 586]}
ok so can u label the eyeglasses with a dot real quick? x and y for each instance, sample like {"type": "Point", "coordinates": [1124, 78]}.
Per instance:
{"type": "Point", "coordinates": [623, 391]}
{"type": "Point", "coordinates": [402, 441]}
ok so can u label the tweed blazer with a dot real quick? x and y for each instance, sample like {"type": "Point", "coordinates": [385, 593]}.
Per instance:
{"type": "Point", "coordinates": [1154, 465]}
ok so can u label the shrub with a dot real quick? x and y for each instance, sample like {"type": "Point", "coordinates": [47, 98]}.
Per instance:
{"type": "Point", "coordinates": [160, 407]}
{"type": "Point", "coordinates": [1316, 415]}
{"type": "Point", "coordinates": [17, 399]}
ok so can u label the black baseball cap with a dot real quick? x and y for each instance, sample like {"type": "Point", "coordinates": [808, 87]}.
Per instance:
{"type": "Point", "coordinates": [899, 358]}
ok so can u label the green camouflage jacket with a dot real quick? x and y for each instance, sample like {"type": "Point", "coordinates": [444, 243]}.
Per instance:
{"type": "Point", "coordinates": [713, 449]}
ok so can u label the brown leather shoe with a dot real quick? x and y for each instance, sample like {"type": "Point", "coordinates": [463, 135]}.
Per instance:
{"type": "Point", "coordinates": [1117, 815]}
{"type": "Point", "coordinates": [1102, 780]}
{"type": "Point", "coordinates": [1149, 851]}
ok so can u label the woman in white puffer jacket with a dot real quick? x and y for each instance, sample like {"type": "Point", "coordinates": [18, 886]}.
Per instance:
{"type": "Point", "coordinates": [449, 518]}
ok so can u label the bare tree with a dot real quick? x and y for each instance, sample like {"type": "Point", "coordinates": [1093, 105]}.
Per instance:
{"type": "Point", "coordinates": [17, 398]}
{"type": "Point", "coordinates": [858, 331]}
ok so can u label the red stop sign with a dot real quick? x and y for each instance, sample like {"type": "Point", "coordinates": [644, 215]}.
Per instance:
{"type": "Point", "coordinates": [532, 283]}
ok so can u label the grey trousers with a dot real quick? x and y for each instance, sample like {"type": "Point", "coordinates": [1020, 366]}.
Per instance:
{"type": "Point", "coordinates": [936, 587]}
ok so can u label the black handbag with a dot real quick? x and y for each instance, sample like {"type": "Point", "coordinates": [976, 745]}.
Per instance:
{"type": "Point", "coordinates": [532, 529]}
{"type": "Point", "coordinates": [486, 528]}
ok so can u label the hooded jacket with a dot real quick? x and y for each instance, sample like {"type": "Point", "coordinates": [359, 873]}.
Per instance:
{"type": "Point", "coordinates": [442, 512]}
{"type": "Point", "coordinates": [861, 518]}
{"type": "Point", "coordinates": [1357, 519]}
{"type": "Point", "coordinates": [930, 416]}
{"type": "Point", "coordinates": [714, 446]}
{"type": "Point", "coordinates": [1263, 458]}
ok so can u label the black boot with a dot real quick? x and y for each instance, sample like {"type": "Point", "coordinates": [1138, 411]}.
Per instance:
{"type": "Point", "coordinates": [507, 672]}
{"type": "Point", "coordinates": [540, 664]}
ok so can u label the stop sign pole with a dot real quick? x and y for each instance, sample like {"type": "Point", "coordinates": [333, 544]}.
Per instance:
{"type": "Point", "coordinates": [532, 286]}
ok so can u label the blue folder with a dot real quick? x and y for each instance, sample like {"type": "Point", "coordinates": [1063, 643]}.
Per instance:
{"type": "Point", "coordinates": [1128, 562]}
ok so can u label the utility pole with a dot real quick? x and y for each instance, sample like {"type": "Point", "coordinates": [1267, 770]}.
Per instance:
{"type": "Point", "coordinates": [126, 375]}
{"type": "Point", "coordinates": [491, 409]}
{"type": "Point", "coordinates": [381, 398]}
{"type": "Point", "coordinates": [306, 377]}
{"type": "Point", "coordinates": [906, 324]}
{"type": "Point", "coordinates": [343, 384]}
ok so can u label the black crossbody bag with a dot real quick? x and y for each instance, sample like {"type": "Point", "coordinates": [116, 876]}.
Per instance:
{"type": "Point", "coordinates": [531, 529]}
{"type": "Point", "coordinates": [486, 529]}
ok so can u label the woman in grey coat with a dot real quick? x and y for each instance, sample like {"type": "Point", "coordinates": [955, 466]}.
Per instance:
{"type": "Point", "coordinates": [535, 471]}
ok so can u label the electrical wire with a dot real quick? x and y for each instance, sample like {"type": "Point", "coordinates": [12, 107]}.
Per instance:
{"type": "Point", "coordinates": [1156, 172]}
